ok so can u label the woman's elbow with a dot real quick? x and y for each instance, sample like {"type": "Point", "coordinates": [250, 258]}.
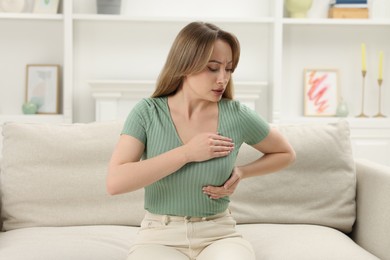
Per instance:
{"type": "Point", "coordinates": [119, 184]}
{"type": "Point", "coordinates": [111, 187]}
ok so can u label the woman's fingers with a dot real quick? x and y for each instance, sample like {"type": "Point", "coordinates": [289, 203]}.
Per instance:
{"type": "Point", "coordinates": [217, 192]}
{"type": "Point", "coordinates": [206, 146]}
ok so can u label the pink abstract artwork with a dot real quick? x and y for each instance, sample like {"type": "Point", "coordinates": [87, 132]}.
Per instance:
{"type": "Point", "coordinates": [321, 94]}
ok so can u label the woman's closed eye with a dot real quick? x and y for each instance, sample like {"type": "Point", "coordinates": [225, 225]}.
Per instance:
{"type": "Point", "coordinates": [215, 69]}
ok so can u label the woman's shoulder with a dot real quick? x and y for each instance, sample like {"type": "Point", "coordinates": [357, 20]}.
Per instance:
{"type": "Point", "coordinates": [235, 107]}
{"type": "Point", "coordinates": [152, 101]}
{"type": "Point", "coordinates": [150, 104]}
{"type": "Point", "coordinates": [231, 104]}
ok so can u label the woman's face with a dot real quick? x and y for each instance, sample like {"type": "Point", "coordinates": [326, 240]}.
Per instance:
{"type": "Point", "coordinates": [210, 84]}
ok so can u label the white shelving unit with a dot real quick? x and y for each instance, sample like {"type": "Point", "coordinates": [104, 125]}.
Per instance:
{"type": "Point", "coordinates": [29, 38]}
{"type": "Point", "coordinates": [162, 19]}
{"type": "Point", "coordinates": [335, 43]}
{"type": "Point", "coordinates": [133, 46]}
{"type": "Point", "coordinates": [30, 16]}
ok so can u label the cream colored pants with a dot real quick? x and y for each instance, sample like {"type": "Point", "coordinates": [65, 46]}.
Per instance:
{"type": "Point", "coordinates": [163, 237]}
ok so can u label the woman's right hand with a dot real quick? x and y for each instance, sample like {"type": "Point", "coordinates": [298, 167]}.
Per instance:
{"type": "Point", "coordinates": [206, 146]}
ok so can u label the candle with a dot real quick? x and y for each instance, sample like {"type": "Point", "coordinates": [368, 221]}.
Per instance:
{"type": "Point", "coordinates": [364, 66]}
{"type": "Point", "coordinates": [380, 65]}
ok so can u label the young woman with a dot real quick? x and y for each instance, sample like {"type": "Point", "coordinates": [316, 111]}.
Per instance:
{"type": "Point", "coordinates": [188, 135]}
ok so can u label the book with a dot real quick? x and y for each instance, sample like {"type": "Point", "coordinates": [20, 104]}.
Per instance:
{"type": "Point", "coordinates": [348, 13]}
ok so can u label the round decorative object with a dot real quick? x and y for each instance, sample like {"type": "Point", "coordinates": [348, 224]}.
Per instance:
{"type": "Point", "coordinates": [12, 6]}
{"type": "Point", "coordinates": [29, 108]}
{"type": "Point", "coordinates": [298, 8]}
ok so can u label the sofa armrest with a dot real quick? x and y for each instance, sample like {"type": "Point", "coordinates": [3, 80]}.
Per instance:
{"type": "Point", "coordinates": [1, 205]}
{"type": "Point", "coordinates": [372, 229]}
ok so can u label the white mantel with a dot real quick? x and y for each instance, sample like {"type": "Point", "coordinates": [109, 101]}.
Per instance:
{"type": "Point", "coordinates": [115, 99]}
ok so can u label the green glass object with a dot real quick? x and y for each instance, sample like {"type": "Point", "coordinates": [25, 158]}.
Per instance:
{"type": "Point", "coordinates": [342, 109]}
{"type": "Point", "coordinates": [29, 108]}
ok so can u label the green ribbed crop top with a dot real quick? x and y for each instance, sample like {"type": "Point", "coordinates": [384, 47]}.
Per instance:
{"type": "Point", "coordinates": [181, 193]}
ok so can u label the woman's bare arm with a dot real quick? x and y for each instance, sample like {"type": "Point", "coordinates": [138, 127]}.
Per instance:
{"type": "Point", "coordinates": [128, 173]}
{"type": "Point", "coordinates": [278, 154]}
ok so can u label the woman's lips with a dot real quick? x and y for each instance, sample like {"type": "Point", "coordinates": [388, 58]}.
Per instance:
{"type": "Point", "coordinates": [218, 91]}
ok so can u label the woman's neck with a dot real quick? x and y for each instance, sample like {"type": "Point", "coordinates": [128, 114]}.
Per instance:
{"type": "Point", "coordinates": [187, 104]}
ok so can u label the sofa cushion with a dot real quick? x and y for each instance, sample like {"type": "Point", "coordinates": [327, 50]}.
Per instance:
{"type": "Point", "coordinates": [66, 243]}
{"type": "Point", "coordinates": [301, 242]}
{"type": "Point", "coordinates": [54, 175]}
{"type": "Point", "coordinates": [319, 188]}
{"type": "Point", "coordinates": [270, 242]}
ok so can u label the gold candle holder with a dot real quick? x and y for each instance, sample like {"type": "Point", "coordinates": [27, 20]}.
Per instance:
{"type": "Point", "coordinates": [364, 73]}
{"type": "Point", "coordinates": [379, 100]}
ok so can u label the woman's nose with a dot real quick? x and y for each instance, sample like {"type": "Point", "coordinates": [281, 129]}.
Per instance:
{"type": "Point", "coordinates": [223, 77]}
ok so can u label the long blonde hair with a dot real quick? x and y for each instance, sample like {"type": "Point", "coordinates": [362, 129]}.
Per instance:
{"type": "Point", "coordinates": [190, 53]}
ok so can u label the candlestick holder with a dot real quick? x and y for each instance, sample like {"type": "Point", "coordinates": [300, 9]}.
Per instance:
{"type": "Point", "coordinates": [380, 81]}
{"type": "Point", "coordinates": [364, 73]}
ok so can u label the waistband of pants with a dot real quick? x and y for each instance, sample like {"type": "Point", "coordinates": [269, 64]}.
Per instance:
{"type": "Point", "coordinates": [169, 218]}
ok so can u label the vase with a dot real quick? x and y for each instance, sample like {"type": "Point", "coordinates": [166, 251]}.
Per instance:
{"type": "Point", "coordinates": [298, 8]}
{"type": "Point", "coordinates": [342, 109]}
{"type": "Point", "coordinates": [108, 6]}
{"type": "Point", "coordinates": [29, 108]}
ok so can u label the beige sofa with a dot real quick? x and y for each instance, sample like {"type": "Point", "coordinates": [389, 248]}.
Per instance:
{"type": "Point", "coordinates": [55, 206]}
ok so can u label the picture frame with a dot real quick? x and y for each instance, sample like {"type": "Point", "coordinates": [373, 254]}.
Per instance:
{"type": "Point", "coordinates": [321, 92]}
{"type": "Point", "coordinates": [43, 88]}
{"type": "Point", "coordinates": [46, 6]}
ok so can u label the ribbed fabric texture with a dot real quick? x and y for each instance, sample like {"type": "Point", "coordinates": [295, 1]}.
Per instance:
{"type": "Point", "coordinates": [181, 192]}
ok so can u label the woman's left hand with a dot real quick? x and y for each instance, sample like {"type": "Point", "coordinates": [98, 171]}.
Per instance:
{"type": "Point", "coordinates": [217, 192]}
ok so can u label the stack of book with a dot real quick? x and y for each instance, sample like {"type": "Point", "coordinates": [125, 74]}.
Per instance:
{"type": "Point", "coordinates": [348, 9]}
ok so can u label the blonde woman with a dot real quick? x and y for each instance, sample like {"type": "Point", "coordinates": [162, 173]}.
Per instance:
{"type": "Point", "coordinates": [188, 135]}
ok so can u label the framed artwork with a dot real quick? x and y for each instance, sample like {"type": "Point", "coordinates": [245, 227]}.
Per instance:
{"type": "Point", "coordinates": [46, 6]}
{"type": "Point", "coordinates": [42, 87]}
{"type": "Point", "coordinates": [321, 92]}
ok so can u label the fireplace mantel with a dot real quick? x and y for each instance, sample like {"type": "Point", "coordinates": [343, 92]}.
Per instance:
{"type": "Point", "coordinates": [114, 99]}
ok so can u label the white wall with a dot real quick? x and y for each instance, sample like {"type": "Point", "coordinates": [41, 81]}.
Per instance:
{"type": "Point", "coordinates": [123, 50]}
{"type": "Point", "coordinates": [17, 39]}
